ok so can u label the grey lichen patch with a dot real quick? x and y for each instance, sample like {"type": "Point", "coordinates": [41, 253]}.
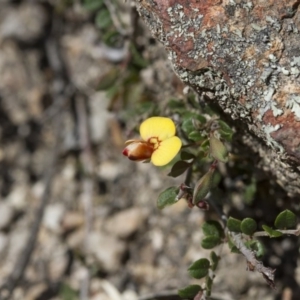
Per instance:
{"type": "Point", "coordinates": [268, 129]}
{"type": "Point", "coordinates": [295, 71]}
{"type": "Point", "coordinates": [266, 75]}
{"type": "Point", "coordinates": [269, 93]}
{"type": "Point", "coordinates": [285, 71]}
{"type": "Point", "coordinates": [295, 61]}
{"type": "Point", "coordinates": [275, 23]}
{"type": "Point", "coordinates": [276, 111]}
{"type": "Point", "coordinates": [293, 103]}
{"type": "Point", "coordinates": [211, 85]}
{"type": "Point", "coordinates": [172, 56]}
{"type": "Point", "coordinates": [182, 26]}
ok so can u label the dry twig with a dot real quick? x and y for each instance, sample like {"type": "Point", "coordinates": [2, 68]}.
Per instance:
{"type": "Point", "coordinates": [253, 264]}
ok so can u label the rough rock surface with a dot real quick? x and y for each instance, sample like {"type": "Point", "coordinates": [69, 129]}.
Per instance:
{"type": "Point", "coordinates": [244, 57]}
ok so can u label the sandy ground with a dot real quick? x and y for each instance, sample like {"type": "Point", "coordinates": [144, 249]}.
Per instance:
{"type": "Point", "coordinates": [62, 128]}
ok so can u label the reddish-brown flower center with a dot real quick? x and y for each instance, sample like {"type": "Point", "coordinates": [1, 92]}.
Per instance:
{"type": "Point", "coordinates": [155, 142]}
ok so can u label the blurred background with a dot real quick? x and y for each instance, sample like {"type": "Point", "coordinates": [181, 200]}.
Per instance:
{"type": "Point", "coordinates": [77, 219]}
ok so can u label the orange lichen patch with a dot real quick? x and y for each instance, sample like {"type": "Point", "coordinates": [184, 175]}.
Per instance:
{"type": "Point", "coordinates": [215, 15]}
{"type": "Point", "coordinates": [276, 49]}
{"type": "Point", "coordinates": [250, 53]}
{"type": "Point", "coordinates": [277, 46]}
{"type": "Point", "coordinates": [288, 136]}
{"type": "Point", "coordinates": [273, 7]}
{"type": "Point", "coordinates": [181, 44]}
{"type": "Point", "coordinates": [289, 133]}
{"type": "Point", "coordinates": [288, 90]}
{"type": "Point", "coordinates": [210, 46]}
{"type": "Point", "coordinates": [269, 118]}
{"type": "Point", "coordinates": [194, 64]}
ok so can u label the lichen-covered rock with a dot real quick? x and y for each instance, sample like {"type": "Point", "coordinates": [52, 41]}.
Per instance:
{"type": "Point", "coordinates": [243, 56]}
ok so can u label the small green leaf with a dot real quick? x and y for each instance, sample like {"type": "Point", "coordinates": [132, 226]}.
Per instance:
{"type": "Point", "coordinates": [210, 242]}
{"type": "Point", "coordinates": [179, 168]}
{"type": "Point", "coordinates": [186, 155]}
{"type": "Point", "coordinates": [67, 292]}
{"type": "Point", "coordinates": [190, 291]}
{"type": "Point", "coordinates": [260, 250]}
{"type": "Point", "coordinates": [111, 37]}
{"type": "Point", "coordinates": [216, 179]}
{"type": "Point", "coordinates": [248, 226]}
{"type": "Point", "coordinates": [167, 197]}
{"type": "Point", "coordinates": [175, 103]}
{"type": "Point", "coordinates": [146, 107]}
{"type": "Point", "coordinates": [205, 144]}
{"type": "Point", "coordinates": [137, 57]}
{"type": "Point", "coordinates": [103, 19]}
{"type": "Point", "coordinates": [234, 224]}
{"type": "Point", "coordinates": [272, 233]}
{"type": "Point", "coordinates": [217, 149]}
{"type": "Point", "coordinates": [214, 260]}
{"type": "Point", "coordinates": [225, 131]}
{"type": "Point", "coordinates": [226, 128]}
{"type": "Point", "coordinates": [256, 246]}
{"type": "Point", "coordinates": [232, 246]}
{"type": "Point", "coordinates": [92, 5]}
{"type": "Point", "coordinates": [195, 136]}
{"type": "Point", "coordinates": [191, 99]}
{"type": "Point", "coordinates": [191, 115]}
{"type": "Point", "coordinates": [250, 191]}
{"type": "Point", "coordinates": [213, 228]}
{"type": "Point", "coordinates": [203, 186]}
{"type": "Point", "coordinates": [199, 268]}
{"type": "Point", "coordinates": [286, 219]}
{"type": "Point", "coordinates": [109, 79]}
{"type": "Point", "coordinates": [208, 284]}
{"type": "Point", "coordinates": [187, 126]}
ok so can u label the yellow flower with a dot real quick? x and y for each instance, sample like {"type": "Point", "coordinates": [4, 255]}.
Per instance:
{"type": "Point", "coordinates": [158, 143]}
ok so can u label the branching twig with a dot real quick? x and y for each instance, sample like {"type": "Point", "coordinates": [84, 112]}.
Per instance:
{"type": "Point", "coordinates": [295, 232]}
{"type": "Point", "coordinates": [252, 263]}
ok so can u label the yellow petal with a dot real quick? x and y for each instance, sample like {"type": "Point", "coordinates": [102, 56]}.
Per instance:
{"type": "Point", "coordinates": [160, 127]}
{"type": "Point", "coordinates": [166, 151]}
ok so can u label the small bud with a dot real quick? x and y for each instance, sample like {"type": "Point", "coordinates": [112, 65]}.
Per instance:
{"type": "Point", "coordinates": [138, 150]}
{"type": "Point", "coordinates": [203, 186]}
{"type": "Point", "coordinates": [217, 149]}
{"type": "Point", "coordinates": [203, 205]}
